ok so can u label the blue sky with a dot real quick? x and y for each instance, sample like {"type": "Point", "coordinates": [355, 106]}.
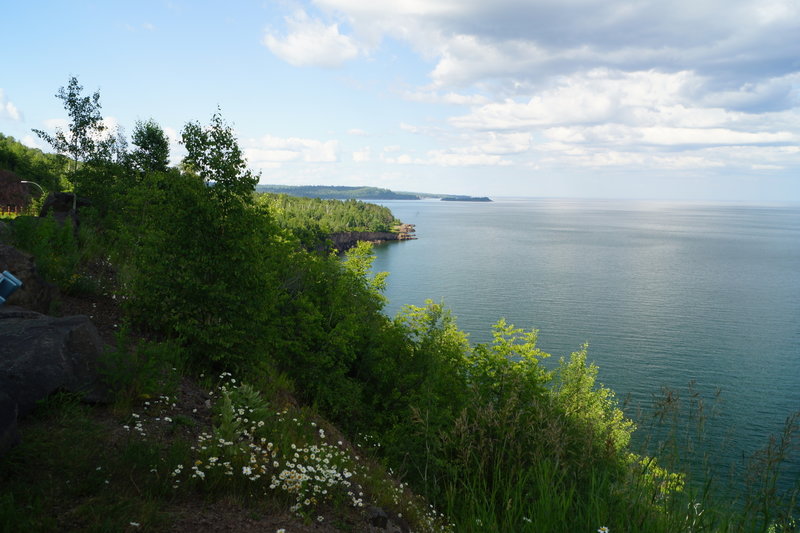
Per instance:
{"type": "Point", "coordinates": [680, 99]}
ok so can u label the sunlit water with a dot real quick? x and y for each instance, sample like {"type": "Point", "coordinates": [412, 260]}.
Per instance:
{"type": "Point", "coordinates": [664, 293]}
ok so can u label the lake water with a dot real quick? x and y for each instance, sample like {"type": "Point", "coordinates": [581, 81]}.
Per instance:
{"type": "Point", "coordinates": [664, 293]}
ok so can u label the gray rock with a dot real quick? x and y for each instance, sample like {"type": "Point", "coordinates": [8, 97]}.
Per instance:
{"type": "Point", "coordinates": [35, 294]}
{"type": "Point", "coordinates": [40, 355]}
{"type": "Point", "coordinates": [380, 521]}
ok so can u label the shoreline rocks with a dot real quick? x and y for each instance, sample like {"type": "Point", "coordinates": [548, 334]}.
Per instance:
{"type": "Point", "coordinates": [345, 240]}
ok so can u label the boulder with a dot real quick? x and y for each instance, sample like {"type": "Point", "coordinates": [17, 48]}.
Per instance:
{"type": "Point", "coordinates": [381, 521]}
{"type": "Point", "coordinates": [40, 355]}
{"type": "Point", "coordinates": [59, 204]}
{"type": "Point", "coordinates": [35, 294]}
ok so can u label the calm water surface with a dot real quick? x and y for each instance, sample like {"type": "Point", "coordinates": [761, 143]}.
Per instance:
{"type": "Point", "coordinates": [665, 294]}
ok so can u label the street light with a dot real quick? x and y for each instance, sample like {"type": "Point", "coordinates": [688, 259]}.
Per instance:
{"type": "Point", "coordinates": [33, 183]}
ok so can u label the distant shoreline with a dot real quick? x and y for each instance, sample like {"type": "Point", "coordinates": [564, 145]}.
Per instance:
{"type": "Point", "coordinates": [466, 199]}
{"type": "Point", "coordinates": [366, 194]}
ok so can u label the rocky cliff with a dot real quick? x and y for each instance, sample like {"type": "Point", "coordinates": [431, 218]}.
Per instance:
{"type": "Point", "coordinates": [347, 239]}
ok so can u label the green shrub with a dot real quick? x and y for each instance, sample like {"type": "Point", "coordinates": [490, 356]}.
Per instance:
{"type": "Point", "coordinates": [59, 254]}
{"type": "Point", "coordinates": [146, 369]}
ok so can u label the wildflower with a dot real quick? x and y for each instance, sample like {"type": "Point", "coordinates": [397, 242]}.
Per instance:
{"type": "Point", "coordinates": [135, 524]}
{"type": "Point", "coordinates": [603, 529]}
{"type": "Point", "coordinates": [246, 470]}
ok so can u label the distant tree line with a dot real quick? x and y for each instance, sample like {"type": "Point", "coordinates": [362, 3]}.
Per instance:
{"type": "Point", "coordinates": [340, 192]}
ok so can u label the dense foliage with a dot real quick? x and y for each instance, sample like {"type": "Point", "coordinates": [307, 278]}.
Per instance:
{"type": "Point", "coordinates": [31, 164]}
{"type": "Point", "coordinates": [487, 432]}
{"type": "Point", "coordinates": [312, 220]}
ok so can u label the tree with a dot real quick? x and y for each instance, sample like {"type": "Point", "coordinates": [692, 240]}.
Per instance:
{"type": "Point", "coordinates": [214, 155]}
{"type": "Point", "coordinates": [152, 147]}
{"type": "Point", "coordinates": [87, 138]}
{"type": "Point", "coordinates": [202, 255]}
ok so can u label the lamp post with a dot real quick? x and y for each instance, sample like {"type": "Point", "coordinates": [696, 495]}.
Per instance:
{"type": "Point", "coordinates": [33, 183]}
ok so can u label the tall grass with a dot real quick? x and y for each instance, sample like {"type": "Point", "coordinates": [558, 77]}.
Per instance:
{"type": "Point", "coordinates": [533, 482]}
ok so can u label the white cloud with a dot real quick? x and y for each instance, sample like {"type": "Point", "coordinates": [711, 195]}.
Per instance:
{"type": "Point", "coordinates": [409, 128]}
{"type": "Point", "coordinates": [622, 135]}
{"type": "Point", "coordinates": [7, 109]}
{"type": "Point", "coordinates": [596, 96]}
{"type": "Point", "coordinates": [271, 152]}
{"type": "Point", "coordinates": [177, 151]}
{"type": "Point", "coordinates": [467, 58]}
{"type": "Point", "coordinates": [474, 41]}
{"type": "Point", "coordinates": [310, 42]}
{"type": "Point", "coordinates": [357, 132]}
{"type": "Point", "coordinates": [503, 143]}
{"type": "Point", "coordinates": [434, 97]}
{"type": "Point", "coordinates": [54, 124]}
{"type": "Point", "coordinates": [32, 142]}
{"type": "Point", "coordinates": [464, 157]}
{"type": "Point", "coordinates": [362, 156]}
{"type": "Point", "coordinates": [451, 157]}
{"type": "Point", "coordinates": [713, 136]}
{"type": "Point", "coordinates": [553, 83]}
{"type": "Point", "coordinates": [111, 125]}
{"type": "Point", "coordinates": [768, 94]}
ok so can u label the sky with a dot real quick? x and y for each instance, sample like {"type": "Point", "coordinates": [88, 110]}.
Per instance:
{"type": "Point", "coordinates": [672, 100]}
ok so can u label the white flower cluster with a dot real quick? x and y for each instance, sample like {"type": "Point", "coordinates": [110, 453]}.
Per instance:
{"type": "Point", "coordinates": [151, 407]}
{"type": "Point", "coordinates": [241, 446]}
{"type": "Point", "coordinates": [259, 449]}
{"type": "Point", "coordinates": [315, 473]}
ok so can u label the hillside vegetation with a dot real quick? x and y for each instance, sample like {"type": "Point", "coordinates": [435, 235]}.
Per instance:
{"type": "Point", "coordinates": [319, 405]}
{"type": "Point", "coordinates": [312, 220]}
{"type": "Point", "coordinates": [340, 192]}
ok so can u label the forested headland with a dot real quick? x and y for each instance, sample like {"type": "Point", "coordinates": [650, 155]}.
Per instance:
{"type": "Point", "coordinates": [340, 192]}
{"type": "Point", "coordinates": [327, 224]}
{"type": "Point", "coordinates": [320, 407]}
